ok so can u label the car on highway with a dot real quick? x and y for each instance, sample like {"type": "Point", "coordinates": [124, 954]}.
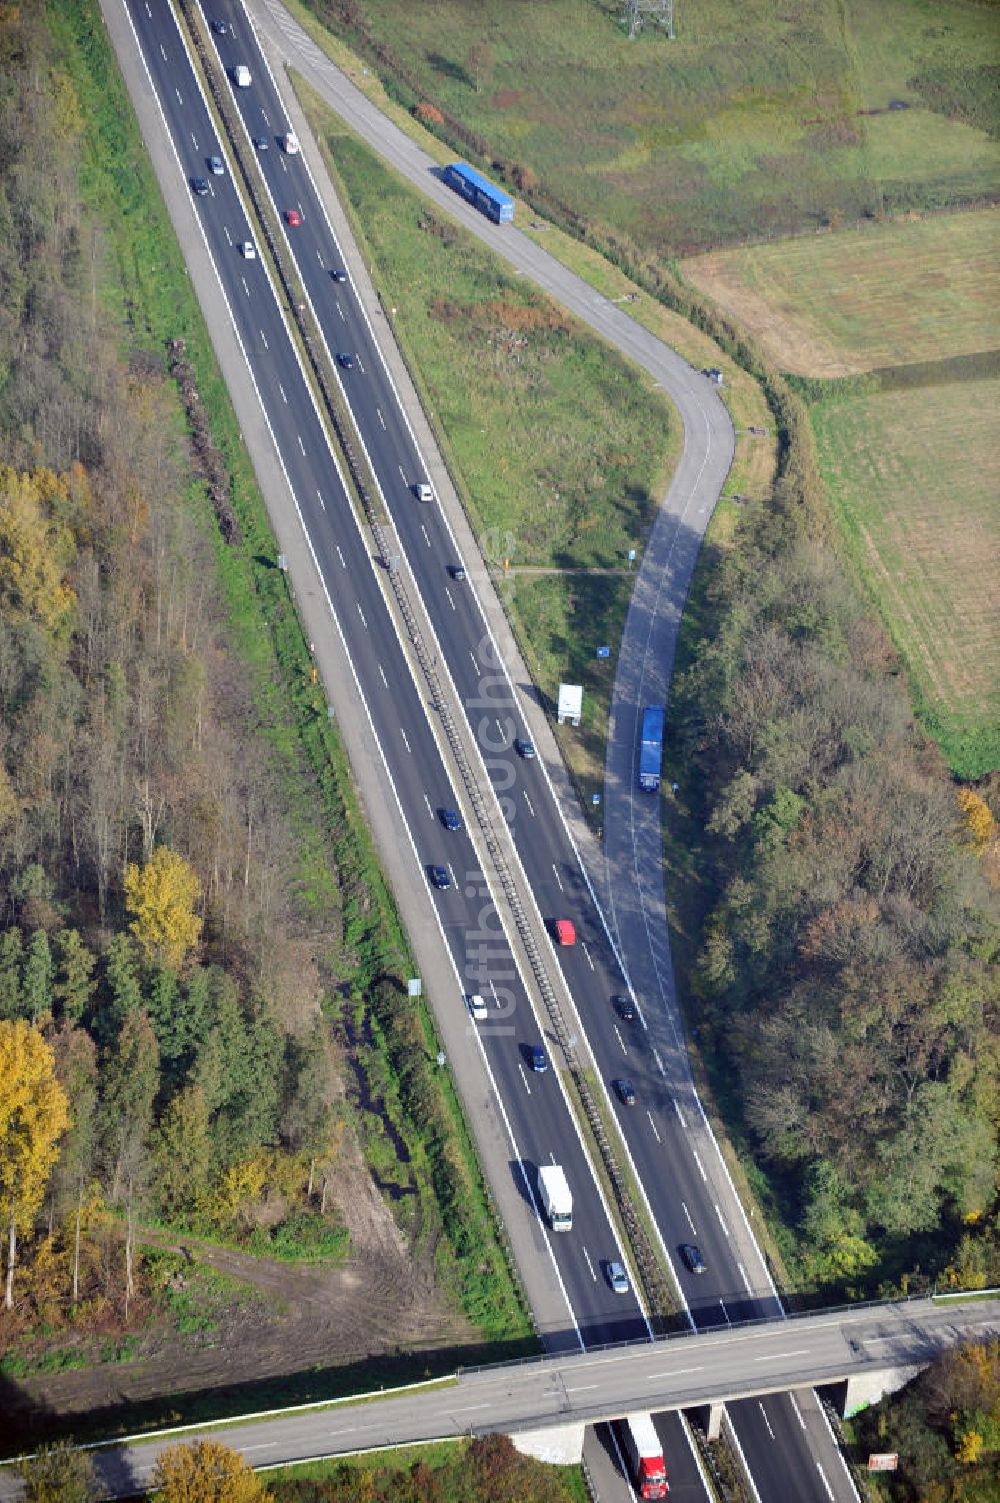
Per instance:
{"type": "Point", "coordinates": [338, 275]}
{"type": "Point", "coordinates": [248, 250]}
{"type": "Point", "coordinates": [617, 1277]}
{"type": "Point", "coordinates": [440, 877]}
{"type": "Point", "coordinates": [215, 166]}
{"type": "Point", "coordinates": [457, 571]}
{"type": "Point", "coordinates": [477, 1007]}
{"type": "Point", "coordinates": [221, 28]}
{"type": "Point", "coordinates": [524, 748]}
{"type": "Point", "coordinates": [693, 1260]}
{"type": "Point", "coordinates": [537, 1060]}
{"type": "Point", "coordinates": [449, 818]}
{"type": "Point", "coordinates": [199, 186]}
{"type": "Point", "coordinates": [293, 217]}
{"type": "Point", "coordinates": [564, 931]}
{"type": "Point", "coordinates": [624, 1007]}
{"type": "Point", "coordinates": [291, 143]}
{"type": "Point", "coordinates": [346, 360]}
{"type": "Point", "coordinates": [625, 1091]}
{"type": "Point", "coordinates": [262, 143]}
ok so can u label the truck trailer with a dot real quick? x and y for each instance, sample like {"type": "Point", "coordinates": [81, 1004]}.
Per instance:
{"type": "Point", "coordinates": [644, 1455]}
{"type": "Point", "coordinates": [557, 1201]}
{"type": "Point", "coordinates": [651, 748]}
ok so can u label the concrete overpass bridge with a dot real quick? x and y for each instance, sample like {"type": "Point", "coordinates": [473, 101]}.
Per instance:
{"type": "Point", "coordinates": [546, 1403]}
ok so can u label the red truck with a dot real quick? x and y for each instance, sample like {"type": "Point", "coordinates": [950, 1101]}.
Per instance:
{"type": "Point", "coordinates": [644, 1454]}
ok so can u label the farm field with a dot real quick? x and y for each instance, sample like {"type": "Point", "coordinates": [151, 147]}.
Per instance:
{"type": "Point", "coordinates": [854, 300]}
{"type": "Point", "coordinates": [914, 476]}
{"type": "Point", "coordinates": [755, 121]}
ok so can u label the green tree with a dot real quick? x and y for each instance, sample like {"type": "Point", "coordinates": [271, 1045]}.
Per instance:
{"type": "Point", "coordinates": [76, 1068]}
{"type": "Point", "coordinates": [74, 986]}
{"type": "Point", "coordinates": [11, 959]}
{"type": "Point", "coordinates": [183, 1151]}
{"type": "Point", "coordinates": [36, 979]}
{"type": "Point", "coordinates": [121, 972]}
{"type": "Point", "coordinates": [131, 1077]}
{"type": "Point", "coordinates": [161, 898]}
{"type": "Point", "coordinates": [33, 1115]}
{"type": "Point", "coordinates": [58, 1473]}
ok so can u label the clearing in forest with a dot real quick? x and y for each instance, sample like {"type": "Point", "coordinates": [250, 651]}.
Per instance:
{"type": "Point", "coordinates": [914, 476]}
{"type": "Point", "coordinates": [854, 300]}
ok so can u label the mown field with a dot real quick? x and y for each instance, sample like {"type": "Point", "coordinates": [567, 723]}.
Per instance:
{"type": "Point", "coordinates": [851, 301]}
{"type": "Point", "coordinates": [756, 120]}
{"type": "Point", "coordinates": [914, 475]}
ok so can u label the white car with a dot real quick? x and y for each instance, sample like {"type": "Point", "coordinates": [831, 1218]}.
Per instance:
{"type": "Point", "coordinates": [248, 250]}
{"type": "Point", "coordinates": [617, 1277]}
{"type": "Point", "coordinates": [477, 1007]}
{"type": "Point", "coordinates": [291, 143]}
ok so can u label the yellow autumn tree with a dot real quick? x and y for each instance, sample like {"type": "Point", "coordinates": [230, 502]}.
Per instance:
{"type": "Point", "coordinates": [36, 546]}
{"type": "Point", "coordinates": [161, 897]}
{"type": "Point", "coordinates": [34, 1112]}
{"type": "Point", "coordinates": [206, 1472]}
{"type": "Point", "coordinates": [979, 822]}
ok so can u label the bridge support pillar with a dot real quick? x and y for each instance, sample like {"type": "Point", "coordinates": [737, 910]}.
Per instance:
{"type": "Point", "coordinates": [561, 1445]}
{"type": "Point", "coordinates": [709, 1417]}
{"type": "Point", "coordinates": [867, 1388]}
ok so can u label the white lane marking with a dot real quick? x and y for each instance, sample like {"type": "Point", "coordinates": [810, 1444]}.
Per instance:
{"type": "Point", "coordinates": [380, 417]}
{"type": "Point", "coordinates": [163, 52]}
{"type": "Point", "coordinates": [690, 1223]}
{"type": "Point", "coordinates": [452, 871]}
{"type": "Point", "coordinates": [450, 601]}
{"type": "Point", "coordinates": [180, 98]}
{"type": "Point", "coordinates": [527, 1087]}
{"type": "Point", "coordinates": [263, 339]}
{"type": "Point", "coordinates": [402, 474]}
{"type": "Point", "coordinates": [503, 733]}
{"type": "Point", "coordinates": [701, 1167]}
{"type": "Point", "coordinates": [472, 655]}
{"type": "Point", "coordinates": [382, 673]}
{"type": "Point", "coordinates": [659, 1066]}
{"type": "Point", "coordinates": [194, 138]}
{"type": "Point", "coordinates": [264, 1445]}
{"type": "Point", "coordinates": [321, 501]}
{"type": "Point", "coordinates": [527, 800]}
{"type": "Point", "coordinates": [675, 1372]}
{"type": "Point", "coordinates": [677, 1109]}
{"type": "Point", "coordinates": [721, 1221]}
{"type": "Point", "coordinates": [427, 801]}
{"type": "Point", "coordinates": [618, 1035]}
{"type": "Point", "coordinates": [590, 1265]}
{"type": "Point", "coordinates": [652, 1124]}
{"type": "Point", "coordinates": [468, 1409]}
{"type": "Point", "coordinates": [282, 390]}
{"type": "Point", "coordinates": [246, 289]}
{"type": "Point", "coordinates": [227, 234]}
{"type": "Point", "coordinates": [580, 1388]}
{"type": "Point", "coordinates": [493, 989]}
{"type": "Point", "coordinates": [341, 312]}
{"type": "Point", "coordinates": [361, 365]}
{"type": "Point", "coordinates": [803, 1351]}
{"type": "Point", "coordinates": [319, 255]}
{"type": "Point", "coordinates": [586, 952]}
{"type": "Point", "coordinates": [405, 742]}
{"type": "Point", "coordinates": [361, 613]}
{"type": "Point", "coordinates": [423, 529]}
{"type": "Point", "coordinates": [746, 1281]}
{"type": "Point", "coordinates": [343, 561]}
{"type": "Point", "coordinates": [148, 11]}
{"type": "Point", "coordinates": [725, 1312]}
{"type": "Point", "coordinates": [823, 1479]}
{"type": "Point", "coordinates": [763, 1415]}
{"type": "Point", "coordinates": [263, 114]}
{"type": "Point", "coordinates": [555, 871]}
{"type": "Point", "coordinates": [301, 444]}
{"type": "Point", "coordinates": [798, 1412]}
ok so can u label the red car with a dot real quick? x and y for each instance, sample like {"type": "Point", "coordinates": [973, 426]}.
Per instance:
{"type": "Point", "coordinates": [293, 216]}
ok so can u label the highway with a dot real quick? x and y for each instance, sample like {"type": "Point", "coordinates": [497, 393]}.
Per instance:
{"type": "Point", "coordinates": [593, 1386]}
{"type": "Point", "coordinates": [540, 1125]}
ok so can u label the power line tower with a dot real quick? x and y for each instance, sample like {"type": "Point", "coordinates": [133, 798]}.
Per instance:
{"type": "Point", "coordinates": [639, 13]}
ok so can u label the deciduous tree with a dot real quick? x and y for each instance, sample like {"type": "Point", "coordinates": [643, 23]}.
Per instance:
{"type": "Point", "coordinates": [33, 1114]}
{"type": "Point", "coordinates": [161, 898]}
{"type": "Point", "coordinates": [58, 1473]}
{"type": "Point", "coordinates": [206, 1472]}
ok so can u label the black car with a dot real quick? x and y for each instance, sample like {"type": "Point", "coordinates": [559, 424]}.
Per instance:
{"type": "Point", "coordinates": [450, 819]}
{"type": "Point", "coordinates": [693, 1259]}
{"type": "Point", "coordinates": [440, 877]}
{"type": "Point", "coordinates": [346, 359]}
{"type": "Point", "coordinates": [338, 275]}
{"type": "Point", "coordinates": [524, 748]}
{"type": "Point", "coordinates": [624, 1007]}
{"type": "Point", "coordinates": [200, 186]}
{"type": "Point", "coordinates": [261, 143]}
{"type": "Point", "coordinates": [626, 1092]}
{"type": "Point", "coordinates": [457, 571]}
{"type": "Point", "coordinates": [221, 28]}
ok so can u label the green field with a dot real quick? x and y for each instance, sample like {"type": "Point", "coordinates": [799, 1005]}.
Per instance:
{"type": "Point", "coordinates": [914, 476]}
{"type": "Point", "coordinates": [756, 120]}
{"type": "Point", "coordinates": [850, 301]}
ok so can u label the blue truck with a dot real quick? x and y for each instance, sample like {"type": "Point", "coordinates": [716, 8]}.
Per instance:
{"type": "Point", "coordinates": [479, 191]}
{"type": "Point", "coordinates": [651, 748]}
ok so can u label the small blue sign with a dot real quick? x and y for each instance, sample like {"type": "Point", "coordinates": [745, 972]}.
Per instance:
{"type": "Point", "coordinates": [595, 799]}
{"type": "Point", "coordinates": [631, 555]}
{"type": "Point", "coordinates": [604, 652]}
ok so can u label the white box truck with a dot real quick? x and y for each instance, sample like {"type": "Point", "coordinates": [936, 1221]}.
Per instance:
{"type": "Point", "coordinates": [556, 1198]}
{"type": "Point", "coordinates": [241, 76]}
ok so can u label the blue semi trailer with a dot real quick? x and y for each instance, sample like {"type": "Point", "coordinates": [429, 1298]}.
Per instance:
{"type": "Point", "coordinates": [651, 748]}
{"type": "Point", "coordinates": [480, 192]}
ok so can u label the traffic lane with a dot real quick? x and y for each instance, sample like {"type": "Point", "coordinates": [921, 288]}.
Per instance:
{"type": "Point", "coordinates": [775, 1442]}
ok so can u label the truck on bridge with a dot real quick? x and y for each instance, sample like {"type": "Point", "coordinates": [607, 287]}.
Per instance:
{"type": "Point", "coordinates": [651, 748]}
{"type": "Point", "coordinates": [557, 1198]}
{"type": "Point", "coordinates": [644, 1454]}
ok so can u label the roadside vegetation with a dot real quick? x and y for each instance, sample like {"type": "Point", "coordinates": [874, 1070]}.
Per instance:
{"type": "Point", "coordinates": [945, 1429]}
{"type": "Point", "coordinates": [752, 123]}
{"type": "Point", "coordinates": [559, 448]}
{"type": "Point", "coordinates": [191, 904]}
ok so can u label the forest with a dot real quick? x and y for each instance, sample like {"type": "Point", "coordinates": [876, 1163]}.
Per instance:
{"type": "Point", "coordinates": [847, 968]}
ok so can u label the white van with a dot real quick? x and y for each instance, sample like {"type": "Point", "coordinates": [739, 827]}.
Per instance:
{"type": "Point", "coordinates": [291, 143]}
{"type": "Point", "coordinates": [241, 76]}
{"type": "Point", "coordinates": [248, 250]}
